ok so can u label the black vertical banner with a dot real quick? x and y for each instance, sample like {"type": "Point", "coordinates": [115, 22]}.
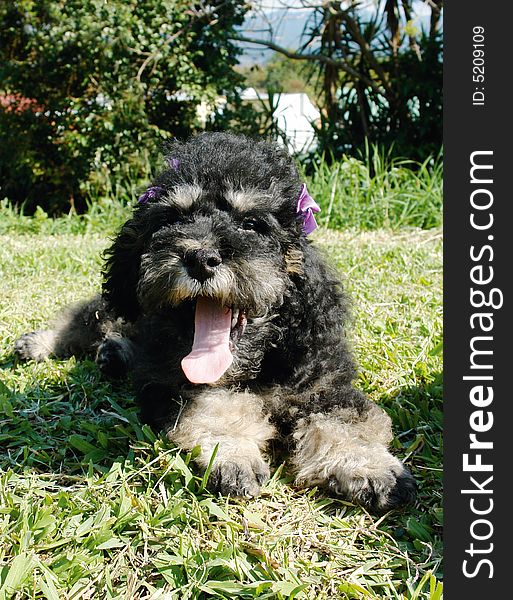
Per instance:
{"type": "Point", "coordinates": [478, 233]}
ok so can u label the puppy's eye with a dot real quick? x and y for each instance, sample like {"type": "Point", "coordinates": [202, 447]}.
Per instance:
{"type": "Point", "coordinates": [253, 224]}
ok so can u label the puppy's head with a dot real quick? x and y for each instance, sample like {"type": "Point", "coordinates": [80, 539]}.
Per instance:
{"type": "Point", "coordinates": [219, 230]}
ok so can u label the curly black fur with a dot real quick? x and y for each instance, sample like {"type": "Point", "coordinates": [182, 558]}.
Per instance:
{"type": "Point", "coordinates": [222, 223]}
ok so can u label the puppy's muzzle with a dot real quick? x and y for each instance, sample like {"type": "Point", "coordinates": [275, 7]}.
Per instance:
{"type": "Point", "coordinates": [202, 264]}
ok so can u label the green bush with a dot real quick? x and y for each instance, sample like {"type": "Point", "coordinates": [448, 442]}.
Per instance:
{"type": "Point", "coordinates": [409, 126]}
{"type": "Point", "coordinates": [377, 190]}
{"type": "Point", "coordinates": [87, 86]}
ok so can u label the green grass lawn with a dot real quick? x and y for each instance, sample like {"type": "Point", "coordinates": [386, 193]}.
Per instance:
{"type": "Point", "coordinates": [92, 505]}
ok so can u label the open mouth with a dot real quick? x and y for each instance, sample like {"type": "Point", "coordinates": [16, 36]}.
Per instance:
{"type": "Point", "coordinates": [217, 330]}
{"type": "Point", "coordinates": [238, 325]}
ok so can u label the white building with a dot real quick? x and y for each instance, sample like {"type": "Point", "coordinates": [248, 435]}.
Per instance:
{"type": "Point", "coordinates": [294, 115]}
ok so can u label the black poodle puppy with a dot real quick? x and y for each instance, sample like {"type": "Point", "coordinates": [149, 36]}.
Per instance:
{"type": "Point", "coordinates": [232, 326]}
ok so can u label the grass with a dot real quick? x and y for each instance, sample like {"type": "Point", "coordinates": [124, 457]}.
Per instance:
{"type": "Point", "coordinates": [378, 192]}
{"type": "Point", "coordinates": [93, 505]}
{"type": "Point", "coordinates": [104, 216]}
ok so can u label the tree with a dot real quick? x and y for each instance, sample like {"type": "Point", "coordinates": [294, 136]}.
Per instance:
{"type": "Point", "coordinates": [90, 89]}
{"type": "Point", "coordinates": [380, 80]}
{"type": "Point", "coordinates": [280, 74]}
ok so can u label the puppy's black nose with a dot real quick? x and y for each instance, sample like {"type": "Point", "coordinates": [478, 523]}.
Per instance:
{"type": "Point", "coordinates": [202, 264]}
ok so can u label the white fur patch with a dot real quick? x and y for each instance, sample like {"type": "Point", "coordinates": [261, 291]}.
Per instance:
{"type": "Point", "coordinates": [346, 453]}
{"type": "Point", "coordinates": [233, 421]}
{"type": "Point", "coordinates": [244, 200]}
{"type": "Point", "coordinates": [184, 196]}
{"type": "Point", "coordinates": [220, 286]}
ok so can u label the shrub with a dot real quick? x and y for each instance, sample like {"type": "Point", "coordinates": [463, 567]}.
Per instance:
{"type": "Point", "coordinates": [377, 190]}
{"type": "Point", "coordinates": [88, 86]}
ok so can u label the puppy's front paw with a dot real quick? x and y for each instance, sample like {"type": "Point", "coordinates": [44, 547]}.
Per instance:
{"type": "Point", "coordinates": [239, 478]}
{"type": "Point", "coordinates": [35, 345]}
{"type": "Point", "coordinates": [114, 356]}
{"type": "Point", "coordinates": [378, 492]}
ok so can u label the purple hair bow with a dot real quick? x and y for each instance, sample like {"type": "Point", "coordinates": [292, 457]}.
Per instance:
{"type": "Point", "coordinates": [151, 193]}
{"type": "Point", "coordinates": [155, 190]}
{"type": "Point", "coordinates": [306, 207]}
{"type": "Point", "coordinates": [174, 163]}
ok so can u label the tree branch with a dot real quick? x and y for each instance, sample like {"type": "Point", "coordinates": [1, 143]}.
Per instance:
{"type": "Point", "coordinates": [321, 58]}
{"type": "Point", "coordinates": [412, 41]}
{"type": "Point", "coordinates": [364, 47]}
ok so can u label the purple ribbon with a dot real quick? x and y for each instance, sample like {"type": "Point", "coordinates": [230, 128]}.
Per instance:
{"type": "Point", "coordinates": [174, 163]}
{"type": "Point", "coordinates": [151, 193]}
{"type": "Point", "coordinates": [155, 190]}
{"type": "Point", "coordinates": [306, 207]}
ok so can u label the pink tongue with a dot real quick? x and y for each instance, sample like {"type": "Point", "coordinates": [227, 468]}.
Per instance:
{"type": "Point", "coordinates": [210, 356]}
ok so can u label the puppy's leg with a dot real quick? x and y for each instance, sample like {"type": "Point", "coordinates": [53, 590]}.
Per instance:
{"type": "Point", "coordinates": [345, 449]}
{"type": "Point", "coordinates": [36, 345]}
{"type": "Point", "coordinates": [85, 328]}
{"type": "Point", "coordinates": [236, 424]}
{"type": "Point", "coordinates": [74, 331]}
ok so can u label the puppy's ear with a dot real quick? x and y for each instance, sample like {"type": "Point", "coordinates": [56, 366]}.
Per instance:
{"type": "Point", "coordinates": [121, 272]}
